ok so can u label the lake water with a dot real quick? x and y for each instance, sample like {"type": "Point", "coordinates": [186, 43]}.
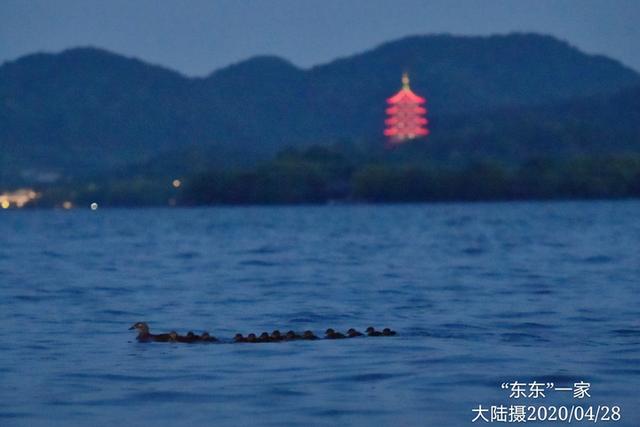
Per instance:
{"type": "Point", "coordinates": [481, 294]}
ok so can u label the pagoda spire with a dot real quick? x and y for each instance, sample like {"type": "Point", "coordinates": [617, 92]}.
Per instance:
{"type": "Point", "coordinates": [405, 81]}
{"type": "Point", "coordinates": [406, 119]}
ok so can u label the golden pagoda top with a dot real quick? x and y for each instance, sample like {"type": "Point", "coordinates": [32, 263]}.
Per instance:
{"type": "Point", "coordinates": [405, 81]}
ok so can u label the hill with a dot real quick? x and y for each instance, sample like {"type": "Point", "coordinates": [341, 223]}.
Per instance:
{"type": "Point", "coordinates": [88, 111]}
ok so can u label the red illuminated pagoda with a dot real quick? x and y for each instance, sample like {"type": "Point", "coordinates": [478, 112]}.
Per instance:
{"type": "Point", "coordinates": [406, 115]}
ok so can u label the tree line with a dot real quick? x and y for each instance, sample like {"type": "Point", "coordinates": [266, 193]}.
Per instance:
{"type": "Point", "coordinates": [319, 175]}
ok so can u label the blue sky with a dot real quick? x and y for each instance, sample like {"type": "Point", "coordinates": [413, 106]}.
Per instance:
{"type": "Point", "coordinates": [196, 37]}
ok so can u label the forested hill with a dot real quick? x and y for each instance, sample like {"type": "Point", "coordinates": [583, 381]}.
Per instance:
{"type": "Point", "coordinates": [88, 110]}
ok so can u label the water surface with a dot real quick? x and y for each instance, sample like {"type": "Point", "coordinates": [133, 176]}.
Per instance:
{"type": "Point", "coordinates": [480, 293]}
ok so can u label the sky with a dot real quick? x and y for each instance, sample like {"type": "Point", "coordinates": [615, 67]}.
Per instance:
{"type": "Point", "coordinates": [197, 37]}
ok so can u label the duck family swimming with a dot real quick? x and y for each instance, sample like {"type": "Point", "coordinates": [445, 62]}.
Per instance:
{"type": "Point", "coordinates": [144, 335]}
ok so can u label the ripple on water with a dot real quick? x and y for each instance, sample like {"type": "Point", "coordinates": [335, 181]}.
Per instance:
{"type": "Point", "coordinates": [372, 377]}
{"type": "Point", "coordinates": [12, 415]}
{"type": "Point", "coordinates": [187, 255]}
{"type": "Point", "coordinates": [597, 259]}
{"type": "Point", "coordinates": [257, 263]}
{"type": "Point", "coordinates": [627, 332]}
{"type": "Point", "coordinates": [522, 337]}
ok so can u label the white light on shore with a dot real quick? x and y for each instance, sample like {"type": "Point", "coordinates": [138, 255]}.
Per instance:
{"type": "Point", "coordinates": [176, 183]}
{"type": "Point", "coordinates": [94, 206]}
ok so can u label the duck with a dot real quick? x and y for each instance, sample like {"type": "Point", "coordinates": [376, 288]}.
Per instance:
{"type": "Point", "coordinates": [205, 337]}
{"type": "Point", "coordinates": [372, 332]}
{"type": "Point", "coordinates": [388, 332]}
{"type": "Point", "coordinates": [189, 338]}
{"type": "Point", "coordinates": [352, 333]}
{"type": "Point", "coordinates": [290, 336]}
{"type": "Point", "coordinates": [330, 334]}
{"type": "Point", "coordinates": [264, 337]}
{"type": "Point", "coordinates": [308, 335]}
{"type": "Point", "coordinates": [175, 337]}
{"type": "Point", "coordinates": [145, 336]}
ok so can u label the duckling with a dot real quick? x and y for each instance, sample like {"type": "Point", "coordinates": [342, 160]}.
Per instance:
{"type": "Point", "coordinates": [290, 336]}
{"type": "Point", "coordinates": [308, 335]}
{"type": "Point", "coordinates": [388, 332]}
{"type": "Point", "coordinates": [332, 335]}
{"type": "Point", "coordinates": [145, 336]}
{"type": "Point", "coordinates": [276, 336]}
{"type": "Point", "coordinates": [205, 337]}
{"type": "Point", "coordinates": [372, 332]}
{"type": "Point", "coordinates": [264, 337]}
{"type": "Point", "coordinates": [352, 333]}
{"type": "Point", "coordinates": [239, 338]}
{"type": "Point", "coordinates": [188, 339]}
{"type": "Point", "coordinates": [252, 338]}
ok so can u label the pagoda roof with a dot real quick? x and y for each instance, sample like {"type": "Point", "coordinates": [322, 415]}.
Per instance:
{"type": "Point", "coordinates": [406, 95]}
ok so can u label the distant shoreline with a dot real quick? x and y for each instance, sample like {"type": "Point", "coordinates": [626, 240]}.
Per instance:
{"type": "Point", "coordinates": [333, 204]}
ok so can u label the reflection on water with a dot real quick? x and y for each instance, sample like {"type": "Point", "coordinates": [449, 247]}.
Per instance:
{"type": "Point", "coordinates": [481, 294]}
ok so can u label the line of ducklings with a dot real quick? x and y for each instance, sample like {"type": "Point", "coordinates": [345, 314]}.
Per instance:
{"type": "Point", "coordinates": [145, 335]}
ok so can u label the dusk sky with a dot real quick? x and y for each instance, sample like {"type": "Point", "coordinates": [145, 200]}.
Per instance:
{"type": "Point", "coordinates": [198, 36]}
